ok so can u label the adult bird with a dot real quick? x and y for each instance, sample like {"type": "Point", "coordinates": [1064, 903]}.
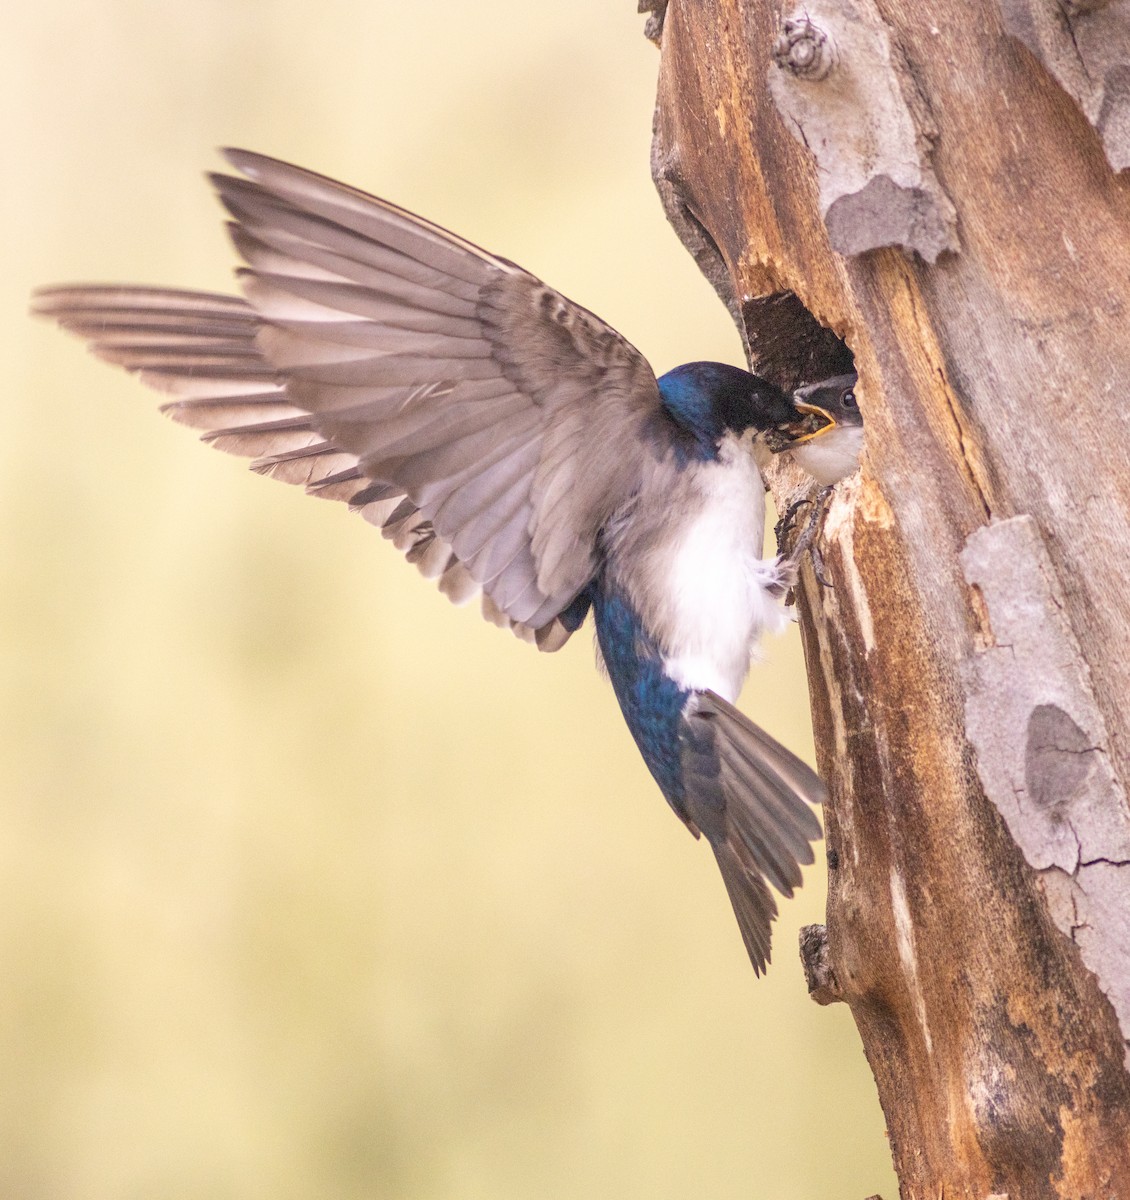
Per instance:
{"type": "Point", "coordinates": [513, 445]}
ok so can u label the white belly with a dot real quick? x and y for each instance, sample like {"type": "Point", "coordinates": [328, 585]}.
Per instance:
{"type": "Point", "coordinates": [831, 456]}
{"type": "Point", "coordinates": [716, 602]}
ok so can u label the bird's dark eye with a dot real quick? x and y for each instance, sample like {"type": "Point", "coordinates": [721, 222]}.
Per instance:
{"type": "Point", "coordinates": [848, 399]}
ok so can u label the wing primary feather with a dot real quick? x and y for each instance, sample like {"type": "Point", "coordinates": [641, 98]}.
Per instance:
{"type": "Point", "coordinates": [374, 493]}
{"type": "Point", "coordinates": [290, 237]}
{"type": "Point", "coordinates": [346, 297]}
{"type": "Point", "coordinates": [368, 215]}
{"type": "Point", "coordinates": [61, 298]}
{"type": "Point", "coordinates": [338, 478]}
{"type": "Point", "coordinates": [374, 222]}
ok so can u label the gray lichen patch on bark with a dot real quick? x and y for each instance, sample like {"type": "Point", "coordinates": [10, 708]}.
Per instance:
{"type": "Point", "coordinates": [885, 213]}
{"type": "Point", "coordinates": [1042, 749]}
{"type": "Point", "coordinates": [1085, 47]}
{"type": "Point", "coordinates": [867, 126]}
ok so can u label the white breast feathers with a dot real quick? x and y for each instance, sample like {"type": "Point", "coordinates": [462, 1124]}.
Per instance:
{"type": "Point", "coordinates": [699, 579]}
{"type": "Point", "coordinates": [832, 455]}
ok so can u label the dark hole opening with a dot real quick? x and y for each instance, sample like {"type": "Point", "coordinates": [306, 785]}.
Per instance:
{"type": "Point", "coordinates": [785, 343]}
{"type": "Point", "coordinates": [788, 345]}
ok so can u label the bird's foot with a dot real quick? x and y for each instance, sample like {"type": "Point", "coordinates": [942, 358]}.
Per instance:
{"type": "Point", "coordinates": [787, 521]}
{"type": "Point", "coordinates": [789, 564]}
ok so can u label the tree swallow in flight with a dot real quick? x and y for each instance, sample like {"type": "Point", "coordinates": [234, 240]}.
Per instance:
{"type": "Point", "coordinates": [516, 447]}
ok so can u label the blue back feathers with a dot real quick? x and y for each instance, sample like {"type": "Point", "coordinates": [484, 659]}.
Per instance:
{"type": "Point", "coordinates": [652, 703]}
{"type": "Point", "coordinates": [709, 399]}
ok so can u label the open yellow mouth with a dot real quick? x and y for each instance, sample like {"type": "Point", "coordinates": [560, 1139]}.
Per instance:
{"type": "Point", "coordinates": [811, 410]}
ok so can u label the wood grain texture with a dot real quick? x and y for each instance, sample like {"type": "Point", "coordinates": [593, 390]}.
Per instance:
{"type": "Point", "coordinates": [992, 386]}
{"type": "Point", "coordinates": [1085, 46]}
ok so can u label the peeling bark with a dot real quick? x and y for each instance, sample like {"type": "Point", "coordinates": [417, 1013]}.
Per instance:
{"type": "Point", "coordinates": [970, 666]}
{"type": "Point", "coordinates": [862, 116]}
{"type": "Point", "coordinates": [1043, 750]}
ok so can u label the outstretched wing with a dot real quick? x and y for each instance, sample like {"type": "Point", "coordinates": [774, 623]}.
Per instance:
{"type": "Point", "coordinates": [485, 422]}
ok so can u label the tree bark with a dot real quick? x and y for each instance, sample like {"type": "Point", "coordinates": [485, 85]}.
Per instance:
{"type": "Point", "coordinates": [935, 182]}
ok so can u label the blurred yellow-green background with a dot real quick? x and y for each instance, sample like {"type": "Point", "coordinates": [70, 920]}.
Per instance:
{"type": "Point", "coordinates": [310, 884]}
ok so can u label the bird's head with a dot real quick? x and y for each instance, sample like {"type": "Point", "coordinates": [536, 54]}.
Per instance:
{"type": "Point", "coordinates": [710, 400]}
{"type": "Point", "coordinates": [829, 437]}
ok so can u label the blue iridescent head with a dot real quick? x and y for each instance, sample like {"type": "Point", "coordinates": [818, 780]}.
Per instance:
{"type": "Point", "coordinates": [710, 399]}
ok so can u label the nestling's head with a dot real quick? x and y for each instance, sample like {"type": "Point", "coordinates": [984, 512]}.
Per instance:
{"type": "Point", "coordinates": [831, 450]}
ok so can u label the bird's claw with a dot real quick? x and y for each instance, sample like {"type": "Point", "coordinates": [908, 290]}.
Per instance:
{"type": "Point", "coordinates": [789, 564]}
{"type": "Point", "coordinates": [787, 520]}
{"type": "Point", "coordinates": [817, 557]}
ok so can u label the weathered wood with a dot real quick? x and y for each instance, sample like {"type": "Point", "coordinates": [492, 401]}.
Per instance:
{"type": "Point", "coordinates": [970, 666]}
{"type": "Point", "coordinates": [1085, 45]}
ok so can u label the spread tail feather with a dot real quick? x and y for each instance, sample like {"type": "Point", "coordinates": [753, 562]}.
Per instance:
{"type": "Point", "coordinates": [751, 798]}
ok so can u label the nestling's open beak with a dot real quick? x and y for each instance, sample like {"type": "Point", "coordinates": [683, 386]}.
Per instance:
{"type": "Point", "coordinates": [807, 427]}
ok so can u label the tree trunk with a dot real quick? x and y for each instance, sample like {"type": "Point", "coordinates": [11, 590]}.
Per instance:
{"type": "Point", "coordinates": [936, 183]}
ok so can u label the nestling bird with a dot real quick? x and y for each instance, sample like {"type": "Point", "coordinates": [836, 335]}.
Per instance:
{"type": "Point", "coordinates": [514, 446]}
{"type": "Point", "coordinates": [830, 451]}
